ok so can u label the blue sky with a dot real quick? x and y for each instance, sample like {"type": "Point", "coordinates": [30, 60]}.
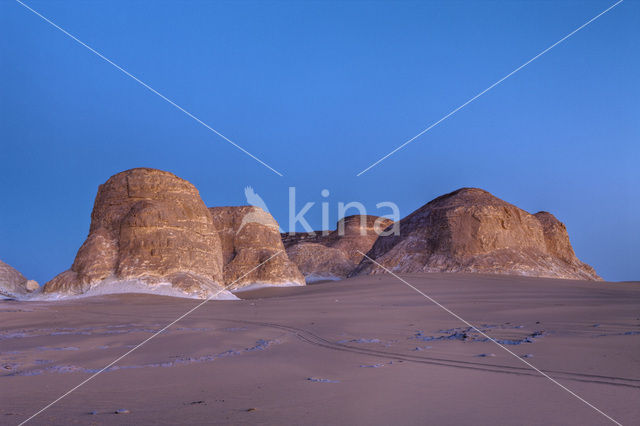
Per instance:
{"type": "Point", "coordinates": [320, 90]}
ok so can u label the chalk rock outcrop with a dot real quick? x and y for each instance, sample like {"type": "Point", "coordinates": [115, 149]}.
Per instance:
{"type": "Point", "coordinates": [13, 284]}
{"type": "Point", "coordinates": [470, 230]}
{"type": "Point", "coordinates": [330, 255]}
{"type": "Point", "coordinates": [31, 286]}
{"type": "Point", "coordinates": [150, 232]}
{"type": "Point", "coordinates": [252, 251]}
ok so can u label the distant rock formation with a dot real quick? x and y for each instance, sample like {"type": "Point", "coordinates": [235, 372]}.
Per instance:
{"type": "Point", "coordinates": [250, 236]}
{"type": "Point", "coordinates": [332, 255]}
{"type": "Point", "coordinates": [13, 284]}
{"type": "Point", "coordinates": [470, 230]}
{"type": "Point", "coordinates": [318, 262]}
{"type": "Point", "coordinates": [32, 286]}
{"type": "Point", "coordinates": [150, 232]}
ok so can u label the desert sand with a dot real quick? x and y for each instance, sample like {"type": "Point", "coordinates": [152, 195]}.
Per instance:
{"type": "Point", "coordinates": [366, 350]}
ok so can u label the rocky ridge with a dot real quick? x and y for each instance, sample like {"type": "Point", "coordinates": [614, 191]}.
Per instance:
{"type": "Point", "coordinates": [333, 255]}
{"type": "Point", "coordinates": [470, 230]}
{"type": "Point", "coordinates": [151, 232]}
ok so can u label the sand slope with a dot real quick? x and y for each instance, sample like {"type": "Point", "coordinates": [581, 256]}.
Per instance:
{"type": "Point", "coordinates": [376, 353]}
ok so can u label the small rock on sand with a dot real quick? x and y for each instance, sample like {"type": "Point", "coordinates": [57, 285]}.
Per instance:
{"type": "Point", "coordinates": [122, 411]}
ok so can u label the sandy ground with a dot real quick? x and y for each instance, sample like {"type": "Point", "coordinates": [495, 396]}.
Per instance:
{"type": "Point", "coordinates": [363, 351]}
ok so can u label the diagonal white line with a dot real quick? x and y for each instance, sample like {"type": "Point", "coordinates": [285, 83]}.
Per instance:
{"type": "Point", "coordinates": [490, 87]}
{"type": "Point", "coordinates": [151, 89]}
{"type": "Point", "coordinates": [494, 341]}
{"type": "Point", "coordinates": [147, 339]}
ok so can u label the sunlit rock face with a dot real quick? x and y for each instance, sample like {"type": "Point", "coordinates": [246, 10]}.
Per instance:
{"type": "Point", "coordinates": [151, 228]}
{"type": "Point", "coordinates": [470, 230]}
{"type": "Point", "coordinates": [252, 251]}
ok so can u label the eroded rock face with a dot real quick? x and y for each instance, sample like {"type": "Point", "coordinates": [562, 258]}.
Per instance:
{"type": "Point", "coordinates": [318, 262]}
{"type": "Point", "coordinates": [13, 284]}
{"type": "Point", "coordinates": [250, 236]}
{"type": "Point", "coordinates": [334, 254]}
{"type": "Point", "coordinates": [149, 227]}
{"type": "Point", "coordinates": [470, 230]}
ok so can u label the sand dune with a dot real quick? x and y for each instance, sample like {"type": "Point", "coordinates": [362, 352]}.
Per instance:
{"type": "Point", "coordinates": [367, 350]}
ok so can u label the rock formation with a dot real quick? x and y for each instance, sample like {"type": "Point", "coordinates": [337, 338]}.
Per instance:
{"type": "Point", "coordinates": [318, 262]}
{"type": "Point", "coordinates": [250, 236]}
{"type": "Point", "coordinates": [470, 230]}
{"type": "Point", "coordinates": [334, 254]}
{"type": "Point", "coordinates": [13, 284]}
{"type": "Point", "coordinates": [150, 232]}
